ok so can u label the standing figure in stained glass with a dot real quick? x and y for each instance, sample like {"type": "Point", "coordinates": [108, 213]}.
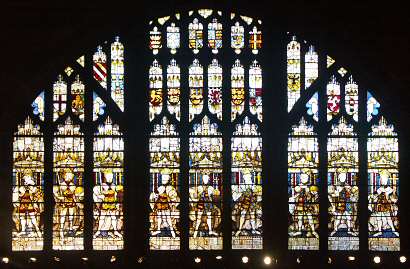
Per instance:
{"type": "Point", "coordinates": [344, 198]}
{"type": "Point", "coordinates": [165, 202]}
{"type": "Point", "coordinates": [107, 195]}
{"type": "Point", "coordinates": [247, 201]}
{"type": "Point", "coordinates": [304, 208]}
{"type": "Point", "coordinates": [29, 197]}
{"type": "Point", "coordinates": [384, 206]}
{"type": "Point", "coordinates": [67, 195]}
{"type": "Point", "coordinates": [205, 197]}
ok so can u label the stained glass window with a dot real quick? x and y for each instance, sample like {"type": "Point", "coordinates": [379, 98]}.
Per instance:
{"type": "Point", "coordinates": [173, 38]}
{"type": "Point", "coordinates": [255, 40]}
{"type": "Point", "coordinates": [215, 88]}
{"type": "Point", "coordinates": [155, 40]}
{"type": "Point", "coordinates": [303, 191]}
{"type": "Point", "coordinates": [343, 190]}
{"type": "Point", "coordinates": [38, 106]}
{"type": "Point", "coordinates": [205, 186]}
{"type": "Point", "coordinates": [59, 98]}
{"type": "Point", "coordinates": [383, 187]}
{"type": "Point", "coordinates": [246, 184]}
{"type": "Point", "coordinates": [174, 89]}
{"type": "Point", "coordinates": [311, 66]}
{"type": "Point", "coordinates": [28, 188]}
{"type": "Point", "coordinates": [155, 86]}
{"type": "Point", "coordinates": [98, 106]}
{"type": "Point", "coordinates": [196, 89]}
{"type": "Point", "coordinates": [215, 35]}
{"type": "Point", "coordinates": [293, 71]}
{"type": "Point", "coordinates": [68, 187]}
{"type": "Point", "coordinates": [237, 89]}
{"type": "Point", "coordinates": [255, 89]}
{"type": "Point", "coordinates": [108, 188]}
{"type": "Point", "coordinates": [352, 99]}
{"type": "Point", "coordinates": [373, 106]}
{"type": "Point", "coordinates": [196, 41]}
{"type": "Point", "coordinates": [333, 98]}
{"type": "Point", "coordinates": [117, 73]}
{"type": "Point", "coordinates": [237, 37]}
{"type": "Point", "coordinates": [313, 107]}
{"type": "Point", "coordinates": [164, 198]}
{"type": "Point", "coordinates": [77, 94]}
{"type": "Point", "coordinates": [100, 67]}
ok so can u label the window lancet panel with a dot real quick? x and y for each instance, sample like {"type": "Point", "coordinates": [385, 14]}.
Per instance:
{"type": "Point", "coordinates": [28, 188]}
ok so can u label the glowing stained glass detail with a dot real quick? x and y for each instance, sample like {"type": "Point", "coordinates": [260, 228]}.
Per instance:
{"type": "Point", "coordinates": [215, 88]}
{"type": "Point", "coordinates": [174, 89]}
{"type": "Point", "coordinates": [246, 19]}
{"type": "Point", "coordinates": [98, 107]}
{"type": "Point", "coordinates": [156, 94]}
{"type": "Point", "coordinates": [303, 191]}
{"type": "Point", "coordinates": [205, 186]}
{"type": "Point", "coordinates": [155, 40]}
{"type": "Point", "coordinates": [342, 184]}
{"type": "Point", "coordinates": [195, 32]}
{"type": "Point", "coordinates": [38, 106]}
{"type": "Point", "coordinates": [313, 107]}
{"type": "Point", "coordinates": [237, 37]}
{"type": "Point", "coordinates": [329, 61]}
{"type": "Point", "coordinates": [255, 90]}
{"type": "Point", "coordinates": [383, 191]}
{"type": "Point", "coordinates": [333, 98]}
{"type": "Point", "coordinates": [178, 16]}
{"type": "Point", "coordinates": [196, 89]}
{"type": "Point", "coordinates": [352, 99]}
{"type": "Point", "coordinates": [205, 13]}
{"type": "Point", "coordinates": [117, 73]}
{"type": "Point", "coordinates": [173, 38]}
{"type": "Point", "coordinates": [59, 98]}
{"type": "Point", "coordinates": [215, 35]}
{"type": "Point", "coordinates": [293, 72]}
{"type": "Point", "coordinates": [77, 95]}
{"type": "Point", "coordinates": [237, 89]}
{"type": "Point", "coordinates": [68, 190]}
{"type": "Point", "coordinates": [246, 184]}
{"type": "Point", "coordinates": [373, 106]}
{"type": "Point", "coordinates": [163, 20]}
{"type": "Point", "coordinates": [81, 61]}
{"type": "Point", "coordinates": [100, 67]}
{"type": "Point", "coordinates": [68, 70]}
{"type": "Point", "coordinates": [255, 40]}
{"type": "Point", "coordinates": [108, 191]}
{"type": "Point", "coordinates": [28, 188]}
{"type": "Point", "coordinates": [342, 71]}
{"type": "Point", "coordinates": [311, 66]}
{"type": "Point", "coordinates": [164, 216]}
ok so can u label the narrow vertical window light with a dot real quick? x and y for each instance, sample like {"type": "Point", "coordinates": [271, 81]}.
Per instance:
{"type": "Point", "coordinates": [173, 38]}
{"type": "Point", "coordinates": [59, 98]}
{"type": "Point", "coordinates": [155, 40]}
{"type": "Point", "coordinates": [237, 89]}
{"type": "Point", "coordinates": [313, 106]}
{"type": "Point", "coordinates": [352, 99]}
{"type": "Point", "coordinates": [196, 89]}
{"type": "Point", "coordinates": [68, 169]}
{"type": "Point", "coordinates": [77, 95]}
{"type": "Point", "coordinates": [255, 40]}
{"type": "Point", "coordinates": [237, 37]}
{"type": "Point", "coordinates": [174, 89]}
{"type": "Point", "coordinates": [164, 198]}
{"type": "Point", "coordinates": [155, 86]}
{"type": "Point", "coordinates": [333, 98]}
{"type": "Point", "coordinates": [303, 192]}
{"type": "Point", "coordinates": [98, 106]}
{"type": "Point", "coordinates": [255, 89]}
{"type": "Point", "coordinates": [342, 185]}
{"type": "Point", "coordinates": [117, 73]}
{"type": "Point", "coordinates": [215, 88]}
{"type": "Point", "coordinates": [373, 106]}
{"type": "Point", "coordinates": [28, 188]}
{"type": "Point", "coordinates": [108, 188]}
{"type": "Point", "coordinates": [293, 70]}
{"type": "Point", "coordinates": [246, 145]}
{"type": "Point", "coordinates": [38, 106]}
{"type": "Point", "coordinates": [100, 67]}
{"type": "Point", "coordinates": [205, 186]}
{"type": "Point", "coordinates": [383, 190]}
{"type": "Point", "coordinates": [311, 66]}
{"type": "Point", "coordinates": [215, 35]}
{"type": "Point", "coordinates": [195, 32]}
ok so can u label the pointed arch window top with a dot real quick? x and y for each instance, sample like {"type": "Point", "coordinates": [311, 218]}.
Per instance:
{"type": "Point", "coordinates": [246, 128]}
{"type": "Point", "coordinates": [164, 129]}
{"type": "Point", "coordinates": [342, 128]}
{"type": "Point", "coordinates": [303, 128]}
{"type": "Point", "coordinates": [68, 128]}
{"type": "Point", "coordinates": [383, 129]}
{"type": "Point", "coordinates": [206, 127]}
